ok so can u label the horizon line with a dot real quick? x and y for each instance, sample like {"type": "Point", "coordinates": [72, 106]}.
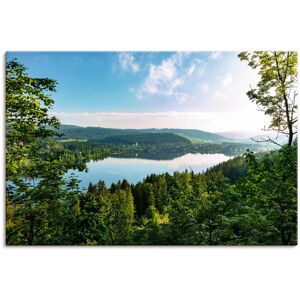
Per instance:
{"type": "Point", "coordinates": [161, 128]}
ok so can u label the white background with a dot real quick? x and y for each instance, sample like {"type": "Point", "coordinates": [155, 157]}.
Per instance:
{"type": "Point", "coordinates": [146, 272]}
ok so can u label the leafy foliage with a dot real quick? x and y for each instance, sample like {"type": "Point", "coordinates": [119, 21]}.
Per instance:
{"type": "Point", "coordinates": [276, 91]}
{"type": "Point", "coordinates": [27, 120]}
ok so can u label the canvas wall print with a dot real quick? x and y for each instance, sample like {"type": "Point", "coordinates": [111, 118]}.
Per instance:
{"type": "Point", "coordinates": [151, 148]}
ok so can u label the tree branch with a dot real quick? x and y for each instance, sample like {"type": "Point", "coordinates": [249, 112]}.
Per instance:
{"type": "Point", "coordinates": [262, 140]}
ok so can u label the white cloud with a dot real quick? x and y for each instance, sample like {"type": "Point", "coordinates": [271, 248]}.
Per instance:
{"type": "Point", "coordinates": [227, 80]}
{"type": "Point", "coordinates": [191, 70]}
{"type": "Point", "coordinates": [127, 62]}
{"type": "Point", "coordinates": [215, 55]}
{"type": "Point", "coordinates": [170, 77]}
{"type": "Point", "coordinates": [182, 97]}
{"type": "Point", "coordinates": [204, 87]}
{"type": "Point", "coordinates": [162, 79]}
{"type": "Point", "coordinates": [221, 95]}
{"type": "Point", "coordinates": [225, 87]}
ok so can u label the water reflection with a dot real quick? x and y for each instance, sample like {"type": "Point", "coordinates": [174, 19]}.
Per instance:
{"type": "Point", "coordinates": [112, 169]}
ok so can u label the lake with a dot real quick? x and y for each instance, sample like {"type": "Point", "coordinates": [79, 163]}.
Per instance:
{"type": "Point", "coordinates": [112, 169]}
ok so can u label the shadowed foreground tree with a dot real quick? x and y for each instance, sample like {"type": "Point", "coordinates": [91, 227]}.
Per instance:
{"type": "Point", "coordinates": [270, 186]}
{"type": "Point", "coordinates": [27, 102]}
{"type": "Point", "coordinates": [35, 174]}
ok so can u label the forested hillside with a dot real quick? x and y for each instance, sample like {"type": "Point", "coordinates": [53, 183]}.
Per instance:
{"type": "Point", "coordinates": [98, 133]}
{"type": "Point", "coordinates": [194, 135]}
{"type": "Point", "coordinates": [146, 139]}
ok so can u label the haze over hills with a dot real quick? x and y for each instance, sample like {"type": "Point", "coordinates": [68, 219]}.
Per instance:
{"type": "Point", "coordinates": [252, 136]}
{"type": "Point", "coordinates": [281, 139]}
{"type": "Point", "coordinates": [99, 133]}
{"type": "Point", "coordinates": [239, 134]}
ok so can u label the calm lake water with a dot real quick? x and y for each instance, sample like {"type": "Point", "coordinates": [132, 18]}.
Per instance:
{"type": "Point", "coordinates": [112, 169]}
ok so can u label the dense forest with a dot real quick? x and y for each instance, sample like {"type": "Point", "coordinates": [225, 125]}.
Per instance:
{"type": "Point", "coordinates": [248, 200]}
{"type": "Point", "coordinates": [146, 139]}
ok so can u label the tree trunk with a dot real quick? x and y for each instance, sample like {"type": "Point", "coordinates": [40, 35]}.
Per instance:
{"type": "Point", "coordinates": [31, 229]}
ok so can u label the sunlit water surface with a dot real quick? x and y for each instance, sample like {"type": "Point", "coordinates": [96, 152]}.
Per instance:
{"type": "Point", "coordinates": [113, 169]}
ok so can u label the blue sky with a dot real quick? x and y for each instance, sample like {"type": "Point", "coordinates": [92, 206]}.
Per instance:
{"type": "Point", "coordinates": [203, 90]}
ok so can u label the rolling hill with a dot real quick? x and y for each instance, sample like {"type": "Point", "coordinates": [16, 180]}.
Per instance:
{"type": "Point", "coordinates": [99, 133]}
{"type": "Point", "coordinates": [194, 135]}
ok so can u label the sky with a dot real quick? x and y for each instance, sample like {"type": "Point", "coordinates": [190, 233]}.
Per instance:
{"type": "Point", "coordinates": [199, 90]}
